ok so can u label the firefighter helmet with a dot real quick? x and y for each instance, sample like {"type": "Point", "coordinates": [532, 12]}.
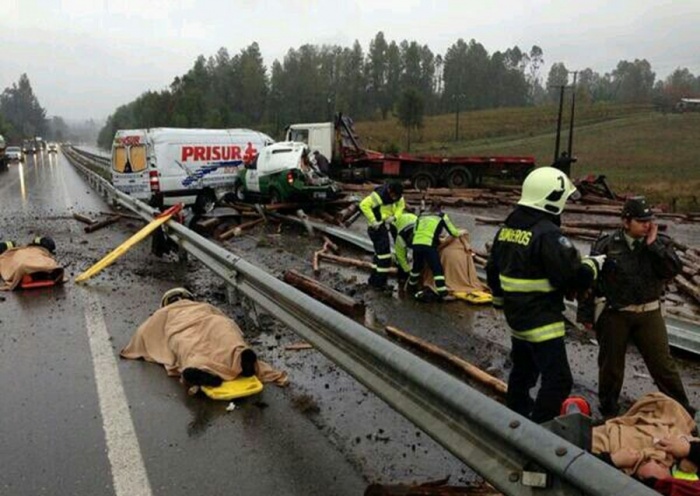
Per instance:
{"type": "Point", "coordinates": [6, 245]}
{"type": "Point", "coordinates": [546, 189]}
{"type": "Point", "coordinates": [175, 294]}
{"type": "Point", "coordinates": [44, 242]}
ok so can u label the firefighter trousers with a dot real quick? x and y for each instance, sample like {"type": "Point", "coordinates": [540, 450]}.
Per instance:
{"type": "Point", "coordinates": [381, 262]}
{"type": "Point", "coordinates": [547, 361]}
{"type": "Point", "coordinates": [429, 255]}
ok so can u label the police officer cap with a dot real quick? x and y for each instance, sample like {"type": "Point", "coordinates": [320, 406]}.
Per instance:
{"type": "Point", "coordinates": [637, 208]}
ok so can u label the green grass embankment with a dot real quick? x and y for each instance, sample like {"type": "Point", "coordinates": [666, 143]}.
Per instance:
{"type": "Point", "coordinates": [638, 150]}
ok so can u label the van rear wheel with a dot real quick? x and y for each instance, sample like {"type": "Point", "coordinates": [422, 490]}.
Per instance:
{"type": "Point", "coordinates": [205, 202]}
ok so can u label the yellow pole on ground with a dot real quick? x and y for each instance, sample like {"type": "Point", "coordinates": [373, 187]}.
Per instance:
{"type": "Point", "coordinates": [129, 243]}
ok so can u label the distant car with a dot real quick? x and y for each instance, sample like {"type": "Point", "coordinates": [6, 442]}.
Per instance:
{"type": "Point", "coordinates": [14, 153]}
{"type": "Point", "coordinates": [53, 148]}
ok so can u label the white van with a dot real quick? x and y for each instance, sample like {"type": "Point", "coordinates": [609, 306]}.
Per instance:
{"type": "Point", "coordinates": [165, 166]}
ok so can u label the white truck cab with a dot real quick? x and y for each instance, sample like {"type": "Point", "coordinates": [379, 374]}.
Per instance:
{"type": "Point", "coordinates": [318, 136]}
{"type": "Point", "coordinates": [165, 166]}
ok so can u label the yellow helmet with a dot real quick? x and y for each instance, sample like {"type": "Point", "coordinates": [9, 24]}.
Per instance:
{"type": "Point", "coordinates": [175, 294]}
{"type": "Point", "coordinates": [546, 189]}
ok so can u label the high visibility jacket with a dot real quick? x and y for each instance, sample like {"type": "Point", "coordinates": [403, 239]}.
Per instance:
{"type": "Point", "coordinates": [530, 268]}
{"type": "Point", "coordinates": [429, 226]}
{"type": "Point", "coordinates": [404, 225]}
{"type": "Point", "coordinates": [378, 206]}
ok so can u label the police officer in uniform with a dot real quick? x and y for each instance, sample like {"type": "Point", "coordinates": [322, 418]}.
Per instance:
{"type": "Point", "coordinates": [381, 207]}
{"type": "Point", "coordinates": [640, 261]}
{"type": "Point", "coordinates": [531, 267]}
{"type": "Point", "coordinates": [426, 238]}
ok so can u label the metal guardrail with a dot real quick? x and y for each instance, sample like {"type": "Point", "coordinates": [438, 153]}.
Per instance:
{"type": "Point", "coordinates": [491, 439]}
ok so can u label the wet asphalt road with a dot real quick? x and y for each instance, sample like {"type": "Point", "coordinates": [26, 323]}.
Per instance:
{"type": "Point", "coordinates": [74, 419]}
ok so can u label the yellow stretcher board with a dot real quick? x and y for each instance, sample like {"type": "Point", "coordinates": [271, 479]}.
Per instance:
{"type": "Point", "coordinates": [475, 297]}
{"type": "Point", "coordinates": [237, 388]}
{"type": "Point", "coordinates": [129, 243]}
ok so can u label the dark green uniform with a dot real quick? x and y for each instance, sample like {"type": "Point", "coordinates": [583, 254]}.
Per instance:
{"type": "Point", "coordinates": [632, 283]}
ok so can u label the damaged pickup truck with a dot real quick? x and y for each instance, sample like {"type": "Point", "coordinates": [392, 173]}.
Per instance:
{"type": "Point", "coordinates": [284, 172]}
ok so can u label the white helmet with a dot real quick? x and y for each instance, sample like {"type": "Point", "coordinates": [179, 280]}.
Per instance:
{"type": "Point", "coordinates": [546, 189]}
{"type": "Point", "coordinates": [175, 294]}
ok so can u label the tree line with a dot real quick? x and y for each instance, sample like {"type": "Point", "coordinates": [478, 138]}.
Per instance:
{"type": "Point", "coordinates": [312, 82]}
{"type": "Point", "coordinates": [22, 117]}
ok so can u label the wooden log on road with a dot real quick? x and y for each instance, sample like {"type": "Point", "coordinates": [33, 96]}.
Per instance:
{"type": "Point", "coordinates": [344, 214]}
{"type": "Point", "coordinates": [334, 299]}
{"type": "Point", "coordinates": [102, 223]}
{"type": "Point", "coordinates": [238, 230]}
{"type": "Point", "coordinates": [351, 262]}
{"type": "Point", "coordinates": [471, 370]}
{"type": "Point", "coordinates": [84, 219]}
{"type": "Point", "coordinates": [429, 489]}
{"type": "Point", "coordinates": [688, 288]}
{"type": "Point", "coordinates": [125, 216]}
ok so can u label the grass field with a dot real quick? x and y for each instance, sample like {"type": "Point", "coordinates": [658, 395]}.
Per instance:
{"type": "Point", "coordinates": [640, 151]}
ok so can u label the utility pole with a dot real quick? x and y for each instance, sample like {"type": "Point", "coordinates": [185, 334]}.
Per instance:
{"type": "Point", "coordinates": [561, 107]}
{"type": "Point", "coordinates": [571, 122]}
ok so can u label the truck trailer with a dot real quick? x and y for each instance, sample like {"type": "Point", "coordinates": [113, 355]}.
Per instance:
{"type": "Point", "coordinates": [349, 161]}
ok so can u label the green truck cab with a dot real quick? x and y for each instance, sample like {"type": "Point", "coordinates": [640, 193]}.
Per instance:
{"type": "Point", "coordinates": [284, 172]}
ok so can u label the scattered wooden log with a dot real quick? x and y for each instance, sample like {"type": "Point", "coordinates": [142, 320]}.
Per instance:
{"type": "Point", "coordinates": [334, 299]}
{"type": "Point", "coordinates": [124, 216]}
{"type": "Point", "coordinates": [238, 230]}
{"type": "Point", "coordinates": [471, 370]}
{"type": "Point", "coordinates": [314, 262]}
{"type": "Point", "coordinates": [351, 262]}
{"type": "Point", "coordinates": [207, 224]}
{"type": "Point", "coordinates": [688, 288]}
{"type": "Point", "coordinates": [330, 245]}
{"type": "Point", "coordinates": [351, 220]}
{"type": "Point", "coordinates": [84, 219]}
{"type": "Point", "coordinates": [298, 346]}
{"type": "Point", "coordinates": [429, 489]}
{"type": "Point", "coordinates": [344, 214]}
{"type": "Point", "coordinates": [102, 223]}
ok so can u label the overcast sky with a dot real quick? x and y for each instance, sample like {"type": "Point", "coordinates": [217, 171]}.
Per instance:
{"type": "Point", "coordinates": [86, 57]}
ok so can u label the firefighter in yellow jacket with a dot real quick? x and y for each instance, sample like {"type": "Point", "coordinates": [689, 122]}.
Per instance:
{"type": "Point", "coordinates": [531, 267]}
{"type": "Point", "coordinates": [381, 208]}
{"type": "Point", "coordinates": [426, 238]}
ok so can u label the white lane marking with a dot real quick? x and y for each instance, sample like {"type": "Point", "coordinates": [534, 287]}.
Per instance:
{"type": "Point", "coordinates": [129, 475]}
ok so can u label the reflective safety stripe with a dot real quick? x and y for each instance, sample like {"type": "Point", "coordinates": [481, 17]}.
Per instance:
{"type": "Point", "coordinates": [592, 265]}
{"type": "Point", "coordinates": [497, 301]}
{"type": "Point", "coordinates": [439, 278]}
{"type": "Point", "coordinates": [542, 333]}
{"type": "Point", "coordinates": [383, 256]}
{"type": "Point", "coordinates": [677, 473]}
{"type": "Point", "coordinates": [513, 285]}
{"type": "Point", "coordinates": [382, 269]}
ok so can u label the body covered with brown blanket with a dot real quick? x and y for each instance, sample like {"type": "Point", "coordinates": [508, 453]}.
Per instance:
{"type": "Point", "coordinates": [191, 334]}
{"type": "Point", "coordinates": [654, 416]}
{"type": "Point", "coordinates": [16, 263]}
{"type": "Point", "coordinates": [458, 264]}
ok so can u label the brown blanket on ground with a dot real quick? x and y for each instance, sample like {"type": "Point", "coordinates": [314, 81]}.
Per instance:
{"type": "Point", "coordinates": [16, 263]}
{"type": "Point", "coordinates": [191, 334]}
{"type": "Point", "coordinates": [652, 417]}
{"type": "Point", "coordinates": [458, 264]}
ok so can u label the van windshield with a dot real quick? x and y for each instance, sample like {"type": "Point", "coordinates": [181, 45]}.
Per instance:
{"type": "Point", "coordinates": [129, 159]}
